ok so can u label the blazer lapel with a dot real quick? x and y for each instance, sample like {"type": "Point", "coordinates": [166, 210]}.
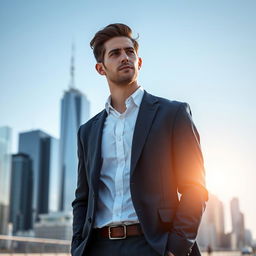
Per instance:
{"type": "Point", "coordinates": [95, 141]}
{"type": "Point", "coordinates": [147, 112]}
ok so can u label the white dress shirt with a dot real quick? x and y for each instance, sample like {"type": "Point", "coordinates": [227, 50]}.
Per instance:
{"type": "Point", "coordinates": [114, 204]}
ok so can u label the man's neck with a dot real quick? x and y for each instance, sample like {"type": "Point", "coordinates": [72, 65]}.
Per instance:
{"type": "Point", "coordinates": [119, 93]}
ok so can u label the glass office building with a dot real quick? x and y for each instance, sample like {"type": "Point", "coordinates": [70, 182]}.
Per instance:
{"type": "Point", "coordinates": [74, 112]}
{"type": "Point", "coordinates": [43, 151]}
{"type": "Point", "coordinates": [21, 193]}
{"type": "Point", "coordinates": [54, 179]}
{"type": "Point", "coordinates": [5, 172]}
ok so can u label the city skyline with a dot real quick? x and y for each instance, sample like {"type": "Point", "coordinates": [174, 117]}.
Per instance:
{"type": "Point", "coordinates": [212, 228]}
{"type": "Point", "coordinates": [201, 53]}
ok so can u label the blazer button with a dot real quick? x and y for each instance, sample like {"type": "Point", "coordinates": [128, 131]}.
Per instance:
{"type": "Point", "coordinates": [90, 220]}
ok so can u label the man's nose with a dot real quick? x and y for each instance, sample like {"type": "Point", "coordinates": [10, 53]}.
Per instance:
{"type": "Point", "coordinates": [124, 57]}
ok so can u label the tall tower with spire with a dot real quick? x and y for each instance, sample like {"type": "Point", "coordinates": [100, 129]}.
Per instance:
{"type": "Point", "coordinates": [72, 68]}
{"type": "Point", "coordinates": [75, 110]}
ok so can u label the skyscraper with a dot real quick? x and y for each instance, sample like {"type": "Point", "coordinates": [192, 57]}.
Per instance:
{"type": "Point", "coordinates": [43, 150]}
{"type": "Point", "coordinates": [5, 172]}
{"type": "Point", "coordinates": [211, 231]}
{"type": "Point", "coordinates": [54, 178]}
{"type": "Point", "coordinates": [237, 219]}
{"type": "Point", "coordinates": [21, 193]}
{"type": "Point", "coordinates": [75, 110]}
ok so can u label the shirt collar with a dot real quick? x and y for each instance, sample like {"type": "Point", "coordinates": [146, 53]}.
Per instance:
{"type": "Point", "coordinates": [108, 104]}
{"type": "Point", "coordinates": [136, 97]}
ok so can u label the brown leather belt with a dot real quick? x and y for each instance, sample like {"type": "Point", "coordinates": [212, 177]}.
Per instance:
{"type": "Point", "coordinates": [120, 231]}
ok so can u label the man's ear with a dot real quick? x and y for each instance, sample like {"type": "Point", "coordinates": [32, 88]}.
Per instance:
{"type": "Point", "coordinates": [100, 69]}
{"type": "Point", "coordinates": [140, 62]}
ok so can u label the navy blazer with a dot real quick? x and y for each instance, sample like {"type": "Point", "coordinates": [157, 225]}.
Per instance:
{"type": "Point", "coordinates": [167, 179]}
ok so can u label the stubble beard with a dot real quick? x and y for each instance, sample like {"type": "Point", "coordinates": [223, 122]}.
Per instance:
{"type": "Point", "coordinates": [120, 79]}
{"type": "Point", "coordinates": [123, 79]}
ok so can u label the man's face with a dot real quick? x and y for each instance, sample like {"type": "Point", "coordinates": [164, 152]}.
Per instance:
{"type": "Point", "coordinates": [121, 62]}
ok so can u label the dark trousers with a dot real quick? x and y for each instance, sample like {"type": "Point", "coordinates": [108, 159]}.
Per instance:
{"type": "Point", "coordinates": [131, 246]}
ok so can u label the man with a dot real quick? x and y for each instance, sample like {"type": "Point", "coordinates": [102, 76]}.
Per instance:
{"type": "Point", "coordinates": [134, 158]}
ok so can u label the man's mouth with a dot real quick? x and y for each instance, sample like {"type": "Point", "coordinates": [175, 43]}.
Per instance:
{"type": "Point", "coordinates": [125, 67]}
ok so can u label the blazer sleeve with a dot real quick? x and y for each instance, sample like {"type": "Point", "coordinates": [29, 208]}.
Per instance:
{"type": "Point", "coordinates": [190, 176]}
{"type": "Point", "coordinates": [81, 196]}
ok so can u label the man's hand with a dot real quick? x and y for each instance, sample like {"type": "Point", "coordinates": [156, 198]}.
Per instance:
{"type": "Point", "coordinates": [169, 254]}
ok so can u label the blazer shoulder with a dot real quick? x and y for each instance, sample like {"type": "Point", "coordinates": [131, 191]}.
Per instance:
{"type": "Point", "coordinates": [173, 105]}
{"type": "Point", "coordinates": [86, 126]}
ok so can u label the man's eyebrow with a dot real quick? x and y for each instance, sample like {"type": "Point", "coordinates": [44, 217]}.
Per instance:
{"type": "Point", "coordinates": [114, 50]}
{"type": "Point", "coordinates": [129, 48]}
{"type": "Point", "coordinates": [118, 49]}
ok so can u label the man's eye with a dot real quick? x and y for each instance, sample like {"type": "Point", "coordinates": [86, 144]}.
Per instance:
{"type": "Point", "coordinates": [114, 54]}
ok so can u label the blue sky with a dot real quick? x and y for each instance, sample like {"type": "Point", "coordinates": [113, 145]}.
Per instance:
{"type": "Point", "coordinates": [201, 52]}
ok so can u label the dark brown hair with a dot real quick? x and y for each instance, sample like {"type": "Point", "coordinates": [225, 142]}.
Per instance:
{"type": "Point", "coordinates": [110, 31]}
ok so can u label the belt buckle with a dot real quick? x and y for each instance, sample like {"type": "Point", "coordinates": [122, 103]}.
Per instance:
{"type": "Point", "coordinates": [120, 237]}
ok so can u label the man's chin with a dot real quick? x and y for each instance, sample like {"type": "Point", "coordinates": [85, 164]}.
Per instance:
{"type": "Point", "coordinates": [125, 80]}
